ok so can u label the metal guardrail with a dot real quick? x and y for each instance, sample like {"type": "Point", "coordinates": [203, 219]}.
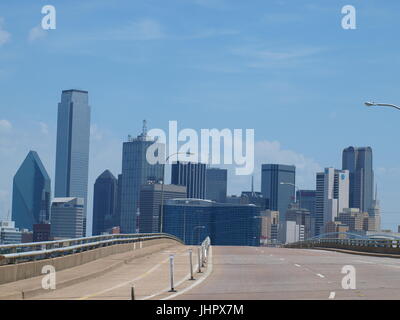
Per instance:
{"type": "Point", "coordinates": [11, 254]}
{"type": "Point", "coordinates": [372, 243]}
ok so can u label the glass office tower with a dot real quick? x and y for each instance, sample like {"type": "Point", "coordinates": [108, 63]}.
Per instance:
{"type": "Point", "coordinates": [192, 175]}
{"type": "Point", "coordinates": [72, 153]}
{"type": "Point", "coordinates": [359, 163]}
{"type": "Point", "coordinates": [279, 195]}
{"type": "Point", "coordinates": [31, 193]}
{"type": "Point", "coordinates": [216, 184]}
{"type": "Point", "coordinates": [104, 203]}
{"type": "Point", "coordinates": [136, 171]}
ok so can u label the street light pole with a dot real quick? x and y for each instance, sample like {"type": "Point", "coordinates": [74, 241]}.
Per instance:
{"type": "Point", "coordinates": [375, 104]}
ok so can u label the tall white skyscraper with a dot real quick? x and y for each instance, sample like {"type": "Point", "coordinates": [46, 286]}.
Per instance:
{"type": "Point", "coordinates": [332, 195]}
{"type": "Point", "coordinates": [136, 171]}
{"type": "Point", "coordinates": [72, 154]}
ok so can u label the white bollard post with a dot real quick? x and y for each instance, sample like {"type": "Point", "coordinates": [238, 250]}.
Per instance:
{"type": "Point", "coordinates": [202, 257]}
{"type": "Point", "coordinates": [199, 258]}
{"type": "Point", "coordinates": [132, 293]}
{"type": "Point", "coordinates": [171, 270]}
{"type": "Point", "coordinates": [191, 264]}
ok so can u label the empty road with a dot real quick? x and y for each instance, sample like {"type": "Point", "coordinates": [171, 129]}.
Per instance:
{"type": "Point", "coordinates": [279, 273]}
{"type": "Point", "coordinates": [233, 273]}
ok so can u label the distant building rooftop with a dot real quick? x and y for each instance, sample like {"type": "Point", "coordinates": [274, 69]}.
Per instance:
{"type": "Point", "coordinates": [75, 90]}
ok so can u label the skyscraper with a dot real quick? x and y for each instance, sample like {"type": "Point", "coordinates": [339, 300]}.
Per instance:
{"type": "Point", "coordinates": [306, 200]}
{"type": "Point", "coordinates": [191, 175]}
{"type": "Point", "coordinates": [150, 203]}
{"type": "Point", "coordinates": [104, 203]}
{"type": "Point", "coordinates": [359, 163]}
{"type": "Point", "coordinates": [31, 193]}
{"type": "Point", "coordinates": [72, 154]}
{"type": "Point", "coordinates": [118, 207]}
{"type": "Point", "coordinates": [319, 204]}
{"type": "Point", "coordinates": [375, 212]}
{"type": "Point", "coordinates": [332, 196]}
{"type": "Point", "coordinates": [136, 171]}
{"type": "Point", "coordinates": [279, 195]}
{"type": "Point", "coordinates": [216, 184]}
{"type": "Point", "coordinates": [67, 218]}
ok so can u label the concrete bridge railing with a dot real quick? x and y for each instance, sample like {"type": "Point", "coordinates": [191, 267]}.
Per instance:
{"type": "Point", "coordinates": [383, 246]}
{"type": "Point", "coordinates": [28, 264]}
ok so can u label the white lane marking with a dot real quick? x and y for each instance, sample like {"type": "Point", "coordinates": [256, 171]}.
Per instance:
{"type": "Point", "coordinates": [332, 295]}
{"type": "Point", "coordinates": [297, 265]}
{"type": "Point", "coordinates": [391, 265]}
{"type": "Point", "coordinates": [320, 275]}
{"type": "Point", "coordinates": [281, 259]}
{"type": "Point", "coordinates": [368, 262]}
{"type": "Point", "coordinates": [209, 270]}
{"type": "Point", "coordinates": [166, 289]}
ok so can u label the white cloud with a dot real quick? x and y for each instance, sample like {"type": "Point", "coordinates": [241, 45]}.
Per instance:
{"type": "Point", "coordinates": [4, 35]}
{"type": "Point", "coordinates": [44, 128]}
{"type": "Point", "coordinates": [265, 58]}
{"type": "Point", "coordinates": [4, 197]}
{"type": "Point", "coordinates": [36, 33]}
{"type": "Point", "coordinates": [272, 152]}
{"type": "Point", "coordinates": [95, 133]}
{"type": "Point", "coordinates": [5, 125]}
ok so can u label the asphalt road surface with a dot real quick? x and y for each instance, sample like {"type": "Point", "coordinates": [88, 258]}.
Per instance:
{"type": "Point", "coordinates": [279, 273]}
{"type": "Point", "coordinates": [233, 273]}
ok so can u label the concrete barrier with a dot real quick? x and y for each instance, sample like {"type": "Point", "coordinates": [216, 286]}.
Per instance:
{"type": "Point", "coordinates": [371, 247]}
{"type": "Point", "coordinates": [361, 248]}
{"type": "Point", "coordinates": [26, 270]}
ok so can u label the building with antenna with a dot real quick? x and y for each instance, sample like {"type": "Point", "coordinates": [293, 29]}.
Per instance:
{"type": "Point", "coordinates": [136, 171]}
{"type": "Point", "coordinates": [375, 212]}
{"type": "Point", "coordinates": [254, 197]}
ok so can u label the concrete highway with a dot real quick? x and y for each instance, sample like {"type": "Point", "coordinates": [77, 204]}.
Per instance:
{"type": "Point", "coordinates": [278, 273]}
{"type": "Point", "coordinates": [233, 273]}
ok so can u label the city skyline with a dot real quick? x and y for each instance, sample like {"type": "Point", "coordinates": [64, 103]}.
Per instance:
{"type": "Point", "coordinates": [143, 138]}
{"type": "Point", "coordinates": [258, 64]}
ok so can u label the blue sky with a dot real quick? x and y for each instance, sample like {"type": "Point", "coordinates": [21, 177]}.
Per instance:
{"type": "Point", "coordinates": [285, 68]}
